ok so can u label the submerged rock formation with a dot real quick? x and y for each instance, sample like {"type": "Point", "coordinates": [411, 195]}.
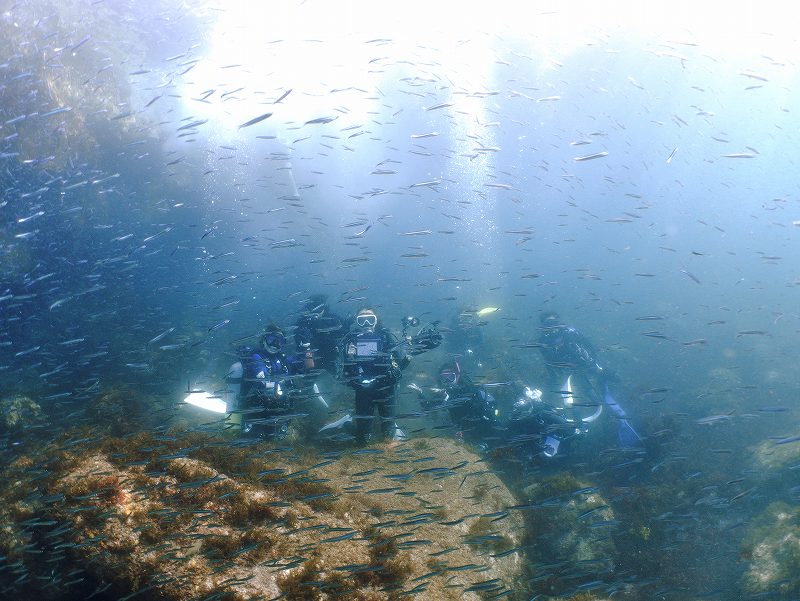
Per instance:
{"type": "Point", "coordinates": [570, 525]}
{"type": "Point", "coordinates": [772, 456]}
{"type": "Point", "coordinates": [190, 516]}
{"type": "Point", "coordinates": [772, 547]}
{"type": "Point", "coordinates": [17, 413]}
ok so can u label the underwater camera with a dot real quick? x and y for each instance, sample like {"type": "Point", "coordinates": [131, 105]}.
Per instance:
{"type": "Point", "coordinates": [427, 338]}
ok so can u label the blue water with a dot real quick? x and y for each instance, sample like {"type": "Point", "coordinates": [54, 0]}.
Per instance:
{"type": "Point", "coordinates": [678, 262]}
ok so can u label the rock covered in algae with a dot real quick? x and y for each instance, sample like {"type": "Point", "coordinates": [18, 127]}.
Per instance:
{"type": "Point", "coordinates": [773, 548]}
{"type": "Point", "coordinates": [17, 413]}
{"type": "Point", "coordinates": [722, 391]}
{"type": "Point", "coordinates": [570, 520]}
{"type": "Point", "coordinates": [193, 517]}
{"type": "Point", "coordinates": [773, 454]}
{"type": "Point", "coordinates": [121, 410]}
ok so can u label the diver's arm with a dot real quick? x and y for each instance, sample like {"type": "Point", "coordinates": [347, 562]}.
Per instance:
{"type": "Point", "coordinates": [398, 350]}
{"type": "Point", "coordinates": [303, 334]}
{"type": "Point", "coordinates": [548, 352]}
{"type": "Point", "coordinates": [300, 363]}
{"type": "Point", "coordinates": [585, 351]}
{"type": "Point", "coordinates": [308, 362]}
{"type": "Point", "coordinates": [425, 402]}
{"type": "Point", "coordinates": [488, 406]}
{"type": "Point", "coordinates": [347, 367]}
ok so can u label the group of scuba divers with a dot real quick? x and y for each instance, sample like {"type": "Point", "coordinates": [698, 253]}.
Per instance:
{"type": "Point", "coordinates": [267, 383]}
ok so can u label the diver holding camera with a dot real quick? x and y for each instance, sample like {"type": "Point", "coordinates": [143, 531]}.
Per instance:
{"type": "Point", "coordinates": [371, 361]}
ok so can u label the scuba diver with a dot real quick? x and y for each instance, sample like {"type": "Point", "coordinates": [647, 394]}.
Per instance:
{"type": "Point", "coordinates": [262, 386]}
{"type": "Point", "coordinates": [471, 408]}
{"type": "Point", "coordinates": [537, 428]}
{"type": "Point", "coordinates": [371, 362]}
{"type": "Point", "coordinates": [319, 330]}
{"type": "Point", "coordinates": [571, 360]}
{"type": "Point", "coordinates": [465, 337]}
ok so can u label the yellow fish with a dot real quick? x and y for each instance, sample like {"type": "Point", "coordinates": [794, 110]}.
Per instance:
{"type": "Point", "coordinates": [487, 311]}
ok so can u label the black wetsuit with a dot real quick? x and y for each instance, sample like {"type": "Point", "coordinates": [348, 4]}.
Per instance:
{"type": "Point", "coordinates": [322, 333]}
{"type": "Point", "coordinates": [529, 435]}
{"type": "Point", "coordinates": [371, 364]}
{"type": "Point", "coordinates": [568, 353]}
{"type": "Point", "coordinates": [473, 411]}
{"type": "Point", "coordinates": [267, 384]}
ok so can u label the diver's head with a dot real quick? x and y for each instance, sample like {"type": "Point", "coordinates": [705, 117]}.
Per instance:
{"type": "Point", "coordinates": [549, 319]}
{"type": "Point", "coordinates": [450, 375]}
{"type": "Point", "coordinates": [316, 305]}
{"type": "Point", "coordinates": [273, 339]}
{"type": "Point", "coordinates": [366, 320]}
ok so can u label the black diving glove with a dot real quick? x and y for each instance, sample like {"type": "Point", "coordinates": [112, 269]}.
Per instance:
{"type": "Point", "coordinates": [428, 338]}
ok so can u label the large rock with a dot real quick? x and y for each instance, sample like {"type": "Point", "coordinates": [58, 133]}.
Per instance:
{"type": "Point", "coordinates": [772, 546]}
{"type": "Point", "coordinates": [568, 520]}
{"type": "Point", "coordinates": [191, 517]}
{"type": "Point", "coordinates": [121, 410]}
{"type": "Point", "coordinates": [773, 456]}
{"type": "Point", "coordinates": [17, 413]}
{"type": "Point", "coordinates": [722, 391]}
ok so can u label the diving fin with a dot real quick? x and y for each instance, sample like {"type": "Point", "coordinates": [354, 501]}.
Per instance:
{"type": "Point", "coordinates": [339, 423]}
{"type": "Point", "coordinates": [319, 396]}
{"type": "Point", "coordinates": [628, 437]}
{"type": "Point", "coordinates": [612, 404]}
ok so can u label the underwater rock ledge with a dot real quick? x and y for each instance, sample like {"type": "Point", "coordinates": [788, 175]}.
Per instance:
{"type": "Point", "coordinates": [191, 516]}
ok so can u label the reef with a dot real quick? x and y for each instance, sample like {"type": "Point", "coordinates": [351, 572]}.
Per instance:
{"type": "Point", "coordinates": [722, 391]}
{"type": "Point", "coordinates": [772, 455]}
{"type": "Point", "coordinates": [18, 413]}
{"type": "Point", "coordinates": [121, 410]}
{"type": "Point", "coordinates": [568, 519]}
{"type": "Point", "coordinates": [164, 515]}
{"type": "Point", "coordinates": [772, 547]}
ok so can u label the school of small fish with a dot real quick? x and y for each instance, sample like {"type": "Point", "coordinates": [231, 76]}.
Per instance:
{"type": "Point", "coordinates": [177, 175]}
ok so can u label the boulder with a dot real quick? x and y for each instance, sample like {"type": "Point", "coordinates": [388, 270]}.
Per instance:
{"type": "Point", "coordinates": [192, 516]}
